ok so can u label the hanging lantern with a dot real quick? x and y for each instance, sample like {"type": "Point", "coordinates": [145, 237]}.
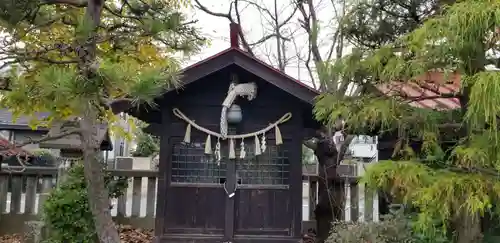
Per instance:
{"type": "Point", "coordinates": [234, 114]}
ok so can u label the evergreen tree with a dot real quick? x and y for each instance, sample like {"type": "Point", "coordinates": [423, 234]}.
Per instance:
{"type": "Point", "coordinates": [87, 60]}
{"type": "Point", "coordinates": [371, 24]}
{"type": "Point", "coordinates": [445, 163]}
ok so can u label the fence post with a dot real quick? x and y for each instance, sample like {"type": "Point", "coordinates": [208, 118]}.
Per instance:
{"type": "Point", "coordinates": [34, 232]}
{"type": "Point", "coordinates": [4, 188]}
{"type": "Point", "coordinates": [46, 186]}
{"type": "Point", "coordinates": [62, 170]}
{"type": "Point", "coordinates": [123, 163]}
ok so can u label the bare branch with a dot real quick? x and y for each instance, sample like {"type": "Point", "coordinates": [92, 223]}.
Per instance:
{"type": "Point", "coordinates": [231, 20]}
{"type": "Point", "coordinates": [341, 152]}
{"type": "Point", "coordinates": [433, 97]}
{"type": "Point", "coordinates": [240, 30]}
{"type": "Point", "coordinates": [208, 11]}
{"type": "Point", "coordinates": [263, 39]}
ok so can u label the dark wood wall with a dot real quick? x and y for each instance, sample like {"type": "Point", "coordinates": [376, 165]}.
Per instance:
{"type": "Point", "coordinates": [259, 210]}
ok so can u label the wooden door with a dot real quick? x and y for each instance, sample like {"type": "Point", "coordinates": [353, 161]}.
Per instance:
{"type": "Point", "coordinates": [229, 199]}
{"type": "Point", "coordinates": [196, 200]}
{"type": "Point", "coordinates": [263, 200]}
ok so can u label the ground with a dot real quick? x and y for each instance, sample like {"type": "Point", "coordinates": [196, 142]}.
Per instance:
{"type": "Point", "coordinates": [127, 235]}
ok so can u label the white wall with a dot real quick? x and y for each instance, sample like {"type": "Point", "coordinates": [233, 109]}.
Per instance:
{"type": "Point", "coordinates": [119, 142]}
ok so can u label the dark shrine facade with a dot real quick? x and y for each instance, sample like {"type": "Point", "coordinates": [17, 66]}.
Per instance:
{"type": "Point", "coordinates": [230, 152]}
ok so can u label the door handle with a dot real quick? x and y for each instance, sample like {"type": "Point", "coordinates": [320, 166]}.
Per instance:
{"type": "Point", "coordinates": [230, 194]}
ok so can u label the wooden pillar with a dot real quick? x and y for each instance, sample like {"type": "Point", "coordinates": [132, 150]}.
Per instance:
{"type": "Point", "coordinates": [313, 197]}
{"type": "Point", "coordinates": [347, 208]}
{"type": "Point", "coordinates": [361, 193]}
{"type": "Point", "coordinates": [123, 163]}
{"type": "Point", "coordinates": [34, 232]}
{"type": "Point", "coordinates": [323, 211]}
{"type": "Point", "coordinates": [376, 213]}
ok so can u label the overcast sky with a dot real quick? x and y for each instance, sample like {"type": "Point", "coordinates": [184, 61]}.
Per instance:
{"type": "Point", "coordinates": [255, 25]}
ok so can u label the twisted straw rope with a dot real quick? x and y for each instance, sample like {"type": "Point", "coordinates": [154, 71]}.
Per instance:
{"type": "Point", "coordinates": [282, 120]}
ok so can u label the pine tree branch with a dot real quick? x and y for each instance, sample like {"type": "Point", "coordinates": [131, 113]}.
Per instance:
{"type": "Point", "coordinates": [48, 137]}
{"type": "Point", "coordinates": [485, 171]}
{"type": "Point", "coordinates": [75, 3]}
{"type": "Point", "coordinates": [119, 105]}
{"type": "Point", "coordinates": [120, 15]}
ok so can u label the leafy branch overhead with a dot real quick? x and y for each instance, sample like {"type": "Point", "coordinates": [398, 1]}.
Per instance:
{"type": "Point", "coordinates": [445, 163]}
{"type": "Point", "coordinates": [83, 61]}
{"type": "Point", "coordinates": [135, 43]}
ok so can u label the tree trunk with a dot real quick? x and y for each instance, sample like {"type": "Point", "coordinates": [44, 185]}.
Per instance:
{"type": "Point", "coordinates": [467, 227]}
{"type": "Point", "coordinates": [94, 175]}
{"type": "Point", "coordinates": [98, 194]}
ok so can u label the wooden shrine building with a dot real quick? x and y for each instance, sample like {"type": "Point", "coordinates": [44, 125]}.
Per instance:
{"type": "Point", "coordinates": [230, 155]}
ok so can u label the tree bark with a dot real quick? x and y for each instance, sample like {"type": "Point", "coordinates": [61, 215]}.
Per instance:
{"type": "Point", "coordinates": [467, 227]}
{"type": "Point", "coordinates": [94, 175]}
{"type": "Point", "coordinates": [98, 194]}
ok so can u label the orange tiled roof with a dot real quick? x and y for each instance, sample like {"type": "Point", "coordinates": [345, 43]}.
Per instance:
{"type": "Point", "coordinates": [424, 91]}
{"type": "Point", "coordinates": [6, 149]}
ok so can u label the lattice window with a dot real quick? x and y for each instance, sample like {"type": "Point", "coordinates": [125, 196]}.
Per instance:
{"type": "Point", "coordinates": [270, 168]}
{"type": "Point", "coordinates": [190, 164]}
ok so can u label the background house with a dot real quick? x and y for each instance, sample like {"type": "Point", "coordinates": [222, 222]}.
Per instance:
{"type": "Point", "coordinates": [19, 131]}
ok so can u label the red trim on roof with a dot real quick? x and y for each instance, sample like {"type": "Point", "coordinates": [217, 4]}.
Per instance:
{"type": "Point", "coordinates": [432, 83]}
{"type": "Point", "coordinates": [7, 149]}
{"type": "Point", "coordinates": [207, 59]}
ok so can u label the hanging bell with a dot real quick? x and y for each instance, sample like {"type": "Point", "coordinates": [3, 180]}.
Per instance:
{"type": "Point", "coordinates": [234, 114]}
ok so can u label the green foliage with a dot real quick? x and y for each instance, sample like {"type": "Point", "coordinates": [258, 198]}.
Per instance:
{"type": "Point", "coordinates": [66, 211]}
{"type": "Point", "coordinates": [44, 157]}
{"type": "Point", "coordinates": [13, 11]}
{"type": "Point", "coordinates": [396, 227]}
{"type": "Point", "coordinates": [371, 24]}
{"type": "Point", "coordinates": [89, 60]}
{"type": "Point", "coordinates": [308, 156]}
{"type": "Point", "coordinates": [147, 144]}
{"type": "Point", "coordinates": [444, 162]}
{"type": "Point", "coordinates": [135, 55]}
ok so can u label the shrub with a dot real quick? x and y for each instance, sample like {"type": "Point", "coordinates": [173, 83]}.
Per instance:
{"type": "Point", "coordinates": [66, 213]}
{"type": "Point", "coordinates": [396, 227]}
{"type": "Point", "coordinates": [147, 144]}
{"type": "Point", "coordinates": [43, 157]}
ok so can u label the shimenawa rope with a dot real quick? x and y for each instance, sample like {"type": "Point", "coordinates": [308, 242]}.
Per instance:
{"type": "Point", "coordinates": [260, 144]}
{"type": "Point", "coordinates": [282, 120]}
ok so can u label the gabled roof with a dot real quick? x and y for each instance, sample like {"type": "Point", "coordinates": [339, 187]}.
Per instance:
{"type": "Point", "coordinates": [22, 122]}
{"type": "Point", "coordinates": [235, 56]}
{"type": "Point", "coordinates": [424, 89]}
